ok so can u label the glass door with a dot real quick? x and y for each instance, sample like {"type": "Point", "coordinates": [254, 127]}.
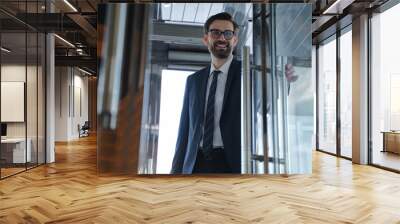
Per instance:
{"type": "Point", "coordinates": [15, 152]}
{"type": "Point", "coordinates": [22, 76]}
{"type": "Point", "coordinates": [282, 102]}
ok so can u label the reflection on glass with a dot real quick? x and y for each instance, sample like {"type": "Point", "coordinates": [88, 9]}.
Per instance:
{"type": "Point", "coordinates": [385, 86]}
{"type": "Point", "coordinates": [283, 107]}
{"type": "Point", "coordinates": [296, 95]}
{"type": "Point", "coordinates": [346, 94]}
{"type": "Point", "coordinates": [327, 96]}
{"type": "Point", "coordinates": [282, 100]}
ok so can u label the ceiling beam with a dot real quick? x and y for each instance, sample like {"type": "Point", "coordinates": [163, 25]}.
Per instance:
{"type": "Point", "coordinates": [84, 24]}
{"type": "Point", "coordinates": [177, 33]}
{"type": "Point", "coordinates": [337, 7]}
{"type": "Point", "coordinates": [82, 61]}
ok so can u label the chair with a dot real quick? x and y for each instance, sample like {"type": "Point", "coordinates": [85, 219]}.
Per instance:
{"type": "Point", "coordinates": [84, 130]}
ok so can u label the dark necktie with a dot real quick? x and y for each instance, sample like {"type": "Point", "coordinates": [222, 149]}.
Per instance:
{"type": "Point", "coordinates": [209, 121]}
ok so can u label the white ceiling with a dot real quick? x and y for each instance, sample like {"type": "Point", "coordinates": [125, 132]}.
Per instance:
{"type": "Point", "coordinates": [197, 13]}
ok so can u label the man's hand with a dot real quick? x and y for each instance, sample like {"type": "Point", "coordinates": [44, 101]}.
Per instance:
{"type": "Point", "coordinates": [289, 73]}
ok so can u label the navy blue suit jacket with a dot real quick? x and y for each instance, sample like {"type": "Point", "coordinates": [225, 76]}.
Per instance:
{"type": "Point", "coordinates": [192, 120]}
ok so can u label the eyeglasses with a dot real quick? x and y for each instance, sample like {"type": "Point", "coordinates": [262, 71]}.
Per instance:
{"type": "Point", "coordinates": [228, 34]}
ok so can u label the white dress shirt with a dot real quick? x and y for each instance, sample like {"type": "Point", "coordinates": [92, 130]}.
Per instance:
{"type": "Point", "coordinates": [219, 99]}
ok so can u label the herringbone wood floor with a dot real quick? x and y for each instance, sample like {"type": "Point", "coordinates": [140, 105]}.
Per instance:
{"type": "Point", "coordinates": [70, 191]}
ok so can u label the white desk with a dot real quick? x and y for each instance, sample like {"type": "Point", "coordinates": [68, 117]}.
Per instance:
{"type": "Point", "coordinates": [17, 145]}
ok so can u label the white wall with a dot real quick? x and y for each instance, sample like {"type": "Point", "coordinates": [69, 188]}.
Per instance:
{"type": "Point", "coordinates": [71, 94]}
{"type": "Point", "coordinates": [80, 111]}
{"type": "Point", "coordinates": [33, 126]}
{"type": "Point", "coordinates": [61, 103]}
{"type": "Point", "coordinates": [13, 73]}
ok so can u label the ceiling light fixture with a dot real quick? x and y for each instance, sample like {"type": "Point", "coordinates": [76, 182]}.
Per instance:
{"type": "Point", "coordinates": [5, 50]}
{"type": "Point", "coordinates": [166, 5]}
{"type": "Point", "coordinates": [326, 11]}
{"type": "Point", "coordinates": [84, 71]}
{"type": "Point", "coordinates": [79, 51]}
{"type": "Point", "coordinates": [65, 41]}
{"type": "Point", "coordinates": [70, 5]}
{"type": "Point", "coordinates": [337, 7]}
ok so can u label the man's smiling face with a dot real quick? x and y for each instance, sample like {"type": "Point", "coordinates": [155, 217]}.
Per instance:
{"type": "Point", "coordinates": [220, 45]}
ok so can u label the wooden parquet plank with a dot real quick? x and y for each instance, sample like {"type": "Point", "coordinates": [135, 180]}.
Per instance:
{"type": "Point", "coordinates": [70, 191]}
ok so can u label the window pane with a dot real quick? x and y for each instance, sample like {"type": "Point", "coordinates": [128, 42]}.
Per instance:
{"type": "Point", "coordinates": [172, 91]}
{"type": "Point", "coordinates": [386, 88]}
{"type": "Point", "coordinates": [346, 94]}
{"type": "Point", "coordinates": [327, 97]}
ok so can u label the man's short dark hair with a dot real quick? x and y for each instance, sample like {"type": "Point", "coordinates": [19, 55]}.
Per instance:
{"type": "Point", "coordinates": [220, 16]}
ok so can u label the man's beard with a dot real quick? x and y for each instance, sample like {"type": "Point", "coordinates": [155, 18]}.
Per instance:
{"type": "Point", "coordinates": [221, 53]}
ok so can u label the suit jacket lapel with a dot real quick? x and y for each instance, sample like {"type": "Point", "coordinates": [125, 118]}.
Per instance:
{"type": "Point", "coordinates": [201, 94]}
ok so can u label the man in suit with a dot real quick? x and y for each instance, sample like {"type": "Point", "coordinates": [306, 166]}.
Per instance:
{"type": "Point", "coordinates": [209, 136]}
{"type": "Point", "coordinates": [209, 131]}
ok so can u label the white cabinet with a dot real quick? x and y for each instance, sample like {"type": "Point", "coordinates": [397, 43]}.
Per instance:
{"type": "Point", "coordinates": [17, 145]}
